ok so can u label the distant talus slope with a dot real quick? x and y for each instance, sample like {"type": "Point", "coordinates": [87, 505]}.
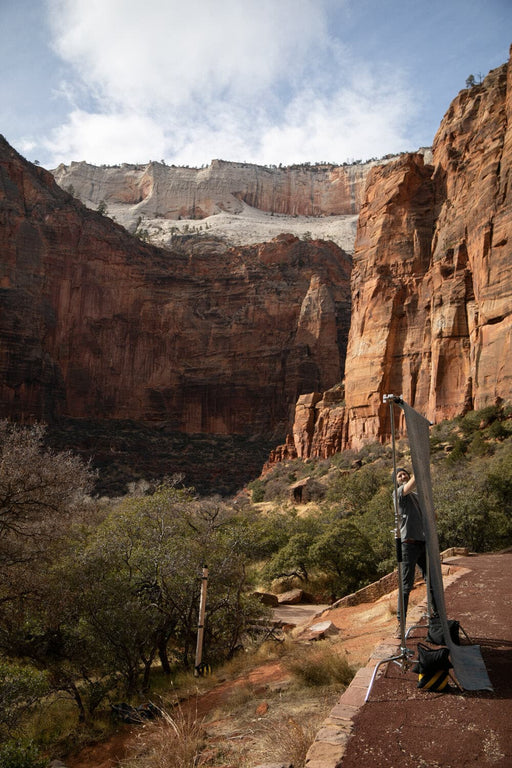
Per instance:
{"type": "Point", "coordinates": [206, 338]}
{"type": "Point", "coordinates": [432, 281]}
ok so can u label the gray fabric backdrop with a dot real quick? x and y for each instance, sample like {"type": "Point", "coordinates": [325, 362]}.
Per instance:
{"type": "Point", "coordinates": [468, 665]}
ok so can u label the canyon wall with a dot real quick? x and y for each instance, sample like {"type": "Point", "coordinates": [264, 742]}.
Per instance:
{"type": "Point", "coordinates": [206, 338]}
{"type": "Point", "coordinates": [239, 202]}
{"type": "Point", "coordinates": [210, 339]}
{"type": "Point", "coordinates": [170, 192]}
{"type": "Point", "coordinates": [431, 283]}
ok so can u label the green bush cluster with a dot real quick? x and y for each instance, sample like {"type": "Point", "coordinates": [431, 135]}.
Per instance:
{"type": "Point", "coordinates": [21, 754]}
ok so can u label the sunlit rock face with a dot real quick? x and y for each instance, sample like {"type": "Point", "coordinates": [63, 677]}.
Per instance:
{"type": "Point", "coordinates": [211, 338]}
{"type": "Point", "coordinates": [241, 202]}
{"type": "Point", "coordinates": [205, 338]}
{"type": "Point", "coordinates": [177, 193]}
{"type": "Point", "coordinates": [432, 279]}
{"type": "Point", "coordinates": [431, 283]}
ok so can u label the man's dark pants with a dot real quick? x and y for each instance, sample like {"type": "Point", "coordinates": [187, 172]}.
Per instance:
{"type": "Point", "coordinates": [413, 554]}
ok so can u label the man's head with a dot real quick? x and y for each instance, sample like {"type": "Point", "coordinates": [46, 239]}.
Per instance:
{"type": "Point", "coordinates": [402, 475]}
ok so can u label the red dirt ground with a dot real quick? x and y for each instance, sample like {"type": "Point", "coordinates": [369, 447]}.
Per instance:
{"type": "Point", "coordinates": [107, 754]}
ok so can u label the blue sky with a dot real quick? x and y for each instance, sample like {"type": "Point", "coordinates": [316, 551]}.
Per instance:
{"type": "Point", "coordinates": [260, 81]}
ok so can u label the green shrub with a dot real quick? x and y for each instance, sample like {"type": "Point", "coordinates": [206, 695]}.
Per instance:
{"type": "Point", "coordinates": [354, 490]}
{"type": "Point", "coordinates": [469, 514]}
{"type": "Point", "coordinates": [498, 431]}
{"type": "Point", "coordinates": [257, 489]}
{"type": "Point", "coordinates": [444, 432]}
{"type": "Point", "coordinates": [21, 687]}
{"type": "Point", "coordinates": [344, 459]}
{"type": "Point", "coordinates": [16, 754]}
{"type": "Point", "coordinates": [458, 453]}
{"type": "Point", "coordinates": [478, 446]}
{"type": "Point", "coordinates": [471, 421]}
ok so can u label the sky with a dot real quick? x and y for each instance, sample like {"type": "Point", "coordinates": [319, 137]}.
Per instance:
{"type": "Point", "coordinates": [257, 81]}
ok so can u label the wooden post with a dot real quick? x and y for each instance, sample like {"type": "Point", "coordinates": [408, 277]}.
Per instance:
{"type": "Point", "coordinates": [200, 626]}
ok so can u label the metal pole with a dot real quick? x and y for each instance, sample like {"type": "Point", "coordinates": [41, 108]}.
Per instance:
{"type": "Point", "coordinates": [430, 609]}
{"type": "Point", "coordinates": [398, 540]}
{"type": "Point", "coordinates": [200, 626]}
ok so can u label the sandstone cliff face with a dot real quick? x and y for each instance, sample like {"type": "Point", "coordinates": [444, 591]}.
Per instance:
{"type": "Point", "coordinates": [207, 339]}
{"type": "Point", "coordinates": [432, 281]}
{"type": "Point", "coordinates": [243, 203]}
{"type": "Point", "coordinates": [191, 193]}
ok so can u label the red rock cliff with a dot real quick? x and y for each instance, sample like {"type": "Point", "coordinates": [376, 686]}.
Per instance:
{"type": "Point", "coordinates": [208, 339]}
{"type": "Point", "coordinates": [432, 281]}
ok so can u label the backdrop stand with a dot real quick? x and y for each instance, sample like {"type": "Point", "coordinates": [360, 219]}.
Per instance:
{"type": "Point", "coordinates": [403, 657]}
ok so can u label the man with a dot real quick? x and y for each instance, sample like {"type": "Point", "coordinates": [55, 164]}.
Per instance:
{"type": "Point", "coordinates": [411, 533]}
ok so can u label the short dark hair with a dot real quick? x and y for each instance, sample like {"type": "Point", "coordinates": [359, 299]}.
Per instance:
{"type": "Point", "coordinates": [400, 469]}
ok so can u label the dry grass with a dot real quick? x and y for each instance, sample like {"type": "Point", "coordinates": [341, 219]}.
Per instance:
{"type": "Point", "coordinates": [173, 741]}
{"type": "Point", "coordinates": [324, 666]}
{"type": "Point", "coordinates": [253, 723]}
{"type": "Point", "coordinates": [260, 718]}
{"type": "Point", "coordinates": [289, 741]}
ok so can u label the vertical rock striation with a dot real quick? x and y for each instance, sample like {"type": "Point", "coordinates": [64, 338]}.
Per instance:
{"type": "Point", "coordinates": [431, 282]}
{"type": "Point", "coordinates": [207, 339]}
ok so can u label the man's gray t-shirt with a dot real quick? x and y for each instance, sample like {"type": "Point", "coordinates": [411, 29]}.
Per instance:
{"type": "Point", "coordinates": [411, 523]}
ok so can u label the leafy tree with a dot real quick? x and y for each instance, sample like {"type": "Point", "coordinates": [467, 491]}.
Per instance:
{"type": "Point", "coordinates": [292, 560]}
{"type": "Point", "coordinates": [131, 587]}
{"type": "Point", "coordinates": [38, 490]}
{"type": "Point", "coordinates": [499, 479]}
{"type": "Point", "coordinates": [269, 532]}
{"type": "Point", "coordinates": [377, 522]}
{"type": "Point", "coordinates": [41, 492]}
{"type": "Point", "coordinates": [257, 489]}
{"type": "Point", "coordinates": [467, 513]}
{"type": "Point", "coordinates": [345, 553]}
{"type": "Point", "coordinates": [354, 490]}
{"type": "Point", "coordinates": [20, 687]}
{"type": "Point", "coordinates": [293, 557]}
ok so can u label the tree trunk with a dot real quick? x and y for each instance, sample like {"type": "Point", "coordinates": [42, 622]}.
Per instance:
{"type": "Point", "coordinates": [79, 703]}
{"type": "Point", "coordinates": [162, 655]}
{"type": "Point", "coordinates": [147, 670]}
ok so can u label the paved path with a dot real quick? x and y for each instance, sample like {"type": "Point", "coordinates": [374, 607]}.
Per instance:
{"type": "Point", "coordinates": [401, 726]}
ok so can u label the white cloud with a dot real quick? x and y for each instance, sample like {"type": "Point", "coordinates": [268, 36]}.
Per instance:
{"type": "Point", "coordinates": [259, 81]}
{"type": "Point", "coordinates": [107, 139]}
{"type": "Point", "coordinates": [362, 119]}
{"type": "Point", "coordinates": [171, 53]}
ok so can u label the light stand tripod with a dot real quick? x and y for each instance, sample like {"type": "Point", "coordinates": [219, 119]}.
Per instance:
{"type": "Point", "coordinates": [402, 659]}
